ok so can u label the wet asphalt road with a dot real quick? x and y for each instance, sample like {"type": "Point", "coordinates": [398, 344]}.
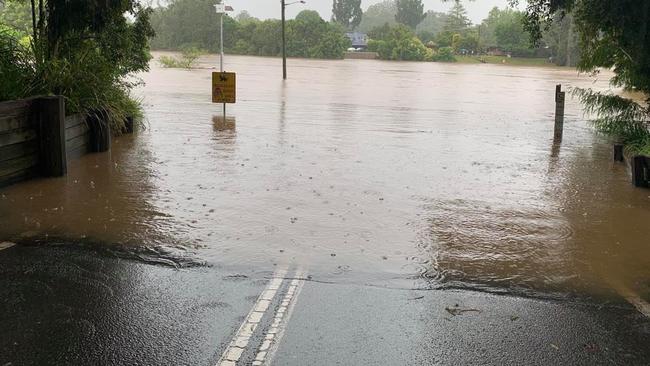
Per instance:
{"type": "Point", "coordinates": [78, 306]}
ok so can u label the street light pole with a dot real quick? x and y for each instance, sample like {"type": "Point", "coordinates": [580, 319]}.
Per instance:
{"type": "Point", "coordinates": [284, 44]}
{"type": "Point", "coordinates": [221, 61]}
{"type": "Point", "coordinates": [284, 41]}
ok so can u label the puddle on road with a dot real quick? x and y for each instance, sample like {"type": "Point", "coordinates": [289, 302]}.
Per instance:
{"type": "Point", "coordinates": [361, 171]}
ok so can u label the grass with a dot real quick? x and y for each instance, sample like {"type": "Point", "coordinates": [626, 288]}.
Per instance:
{"type": "Point", "coordinates": [504, 60]}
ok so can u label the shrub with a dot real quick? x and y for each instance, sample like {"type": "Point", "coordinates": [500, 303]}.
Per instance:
{"type": "Point", "coordinates": [444, 54]}
{"type": "Point", "coordinates": [187, 60]}
{"type": "Point", "coordinates": [399, 43]}
{"type": "Point", "coordinates": [16, 66]}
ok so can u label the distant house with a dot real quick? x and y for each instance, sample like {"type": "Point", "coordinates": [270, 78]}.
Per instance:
{"type": "Point", "coordinates": [359, 40]}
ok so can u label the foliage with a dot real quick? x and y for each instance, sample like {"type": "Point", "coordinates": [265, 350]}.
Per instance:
{"type": "Point", "coordinates": [188, 59]}
{"type": "Point", "coordinates": [83, 50]}
{"type": "Point", "coordinates": [399, 43]}
{"type": "Point", "coordinates": [444, 54]}
{"type": "Point", "coordinates": [510, 35]}
{"type": "Point", "coordinates": [618, 116]}
{"type": "Point", "coordinates": [614, 35]}
{"type": "Point", "coordinates": [410, 12]}
{"type": "Point", "coordinates": [17, 15]}
{"type": "Point", "coordinates": [347, 13]}
{"type": "Point", "coordinates": [186, 23]}
{"type": "Point", "coordinates": [16, 65]}
{"type": "Point", "coordinates": [457, 20]}
{"type": "Point", "coordinates": [433, 24]}
{"type": "Point", "coordinates": [377, 15]}
{"type": "Point", "coordinates": [380, 33]}
{"type": "Point", "coordinates": [563, 41]}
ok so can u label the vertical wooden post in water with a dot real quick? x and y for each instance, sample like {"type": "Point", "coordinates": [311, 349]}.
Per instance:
{"type": "Point", "coordinates": [559, 112]}
{"type": "Point", "coordinates": [618, 153]}
{"type": "Point", "coordinates": [641, 171]}
{"type": "Point", "coordinates": [50, 115]}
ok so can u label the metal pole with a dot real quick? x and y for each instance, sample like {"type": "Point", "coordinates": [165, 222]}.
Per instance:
{"type": "Point", "coordinates": [284, 46]}
{"type": "Point", "coordinates": [221, 63]}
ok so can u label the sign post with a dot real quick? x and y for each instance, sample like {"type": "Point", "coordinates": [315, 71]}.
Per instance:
{"type": "Point", "coordinates": [220, 86]}
{"type": "Point", "coordinates": [224, 87]}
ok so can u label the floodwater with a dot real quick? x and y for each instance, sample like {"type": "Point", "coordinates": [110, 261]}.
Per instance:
{"type": "Point", "coordinates": [421, 174]}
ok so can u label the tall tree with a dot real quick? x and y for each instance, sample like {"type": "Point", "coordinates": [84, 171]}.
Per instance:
{"type": "Point", "coordinates": [377, 15]}
{"type": "Point", "coordinates": [614, 35]}
{"type": "Point", "coordinates": [410, 12]}
{"type": "Point", "coordinates": [457, 20]}
{"type": "Point", "coordinates": [348, 13]}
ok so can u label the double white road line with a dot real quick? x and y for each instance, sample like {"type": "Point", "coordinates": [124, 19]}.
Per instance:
{"type": "Point", "coordinates": [241, 342]}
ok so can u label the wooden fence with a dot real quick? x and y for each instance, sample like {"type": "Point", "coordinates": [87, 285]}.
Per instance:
{"type": "Point", "coordinates": [36, 139]}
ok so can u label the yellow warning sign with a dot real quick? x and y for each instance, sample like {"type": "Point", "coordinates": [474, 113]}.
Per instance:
{"type": "Point", "coordinates": [224, 87]}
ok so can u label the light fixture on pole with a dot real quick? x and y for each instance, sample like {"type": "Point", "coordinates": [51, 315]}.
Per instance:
{"type": "Point", "coordinates": [284, 41]}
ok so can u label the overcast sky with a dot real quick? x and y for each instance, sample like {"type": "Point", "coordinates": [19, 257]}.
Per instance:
{"type": "Point", "coordinates": [476, 10]}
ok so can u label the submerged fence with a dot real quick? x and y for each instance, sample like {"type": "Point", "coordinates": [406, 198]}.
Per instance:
{"type": "Point", "coordinates": [37, 139]}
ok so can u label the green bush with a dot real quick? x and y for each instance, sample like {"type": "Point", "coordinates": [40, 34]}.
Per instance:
{"type": "Point", "coordinates": [398, 43]}
{"type": "Point", "coordinates": [188, 59]}
{"type": "Point", "coordinates": [620, 117]}
{"type": "Point", "coordinates": [194, 22]}
{"type": "Point", "coordinates": [16, 66]}
{"type": "Point", "coordinates": [91, 66]}
{"type": "Point", "coordinates": [444, 54]}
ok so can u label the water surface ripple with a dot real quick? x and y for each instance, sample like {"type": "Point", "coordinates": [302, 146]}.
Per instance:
{"type": "Point", "coordinates": [360, 171]}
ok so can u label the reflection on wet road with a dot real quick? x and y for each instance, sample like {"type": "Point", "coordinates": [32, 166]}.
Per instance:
{"type": "Point", "coordinates": [362, 171]}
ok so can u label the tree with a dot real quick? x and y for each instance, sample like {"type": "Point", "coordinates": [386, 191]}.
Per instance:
{"type": "Point", "coordinates": [348, 13]}
{"type": "Point", "coordinates": [399, 43]}
{"type": "Point", "coordinates": [377, 15]}
{"type": "Point", "coordinates": [457, 20]}
{"type": "Point", "coordinates": [434, 23]}
{"type": "Point", "coordinates": [17, 15]}
{"type": "Point", "coordinates": [186, 23]}
{"type": "Point", "coordinates": [244, 16]}
{"type": "Point", "coordinates": [310, 36]}
{"type": "Point", "coordinates": [509, 33]}
{"type": "Point", "coordinates": [410, 12]}
{"type": "Point", "coordinates": [85, 50]}
{"type": "Point", "coordinates": [562, 41]}
{"type": "Point", "coordinates": [613, 35]}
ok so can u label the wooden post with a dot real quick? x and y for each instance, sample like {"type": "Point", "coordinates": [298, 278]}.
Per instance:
{"type": "Point", "coordinates": [129, 125]}
{"type": "Point", "coordinates": [618, 153]}
{"type": "Point", "coordinates": [559, 112]}
{"type": "Point", "coordinates": [50, 117]}
{"type": "Point", "coordinates": [100, 132]}
{"type": "Point", "coordinates": [641, 171]}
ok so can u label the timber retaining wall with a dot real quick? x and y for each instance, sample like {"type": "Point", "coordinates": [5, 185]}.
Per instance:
{"type": "Point", "coordinates": [38, 140]}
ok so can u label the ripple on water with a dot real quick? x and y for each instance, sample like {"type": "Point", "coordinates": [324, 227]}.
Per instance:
{"type": "Point", "coordinates": [495, 245]}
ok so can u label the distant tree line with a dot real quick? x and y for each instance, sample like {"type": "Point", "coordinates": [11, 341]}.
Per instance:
{"type": "Point", "coordinates": [399, 30]}
{"type": "Point", "coordinates": [502, 31]}
{"type": "Point", "coordinates": [194, 23]}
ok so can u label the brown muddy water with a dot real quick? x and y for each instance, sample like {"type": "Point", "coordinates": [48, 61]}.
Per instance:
{"type": "Point", "coordinates": [362, 171]}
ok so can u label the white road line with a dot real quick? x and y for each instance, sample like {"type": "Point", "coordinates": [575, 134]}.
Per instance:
{"type": "Point", "coordinates": [6, 245]}
{"type": "Point", "coordinates": [238, 344]}
{"type": "Point", "coordinates": [275, 332]}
